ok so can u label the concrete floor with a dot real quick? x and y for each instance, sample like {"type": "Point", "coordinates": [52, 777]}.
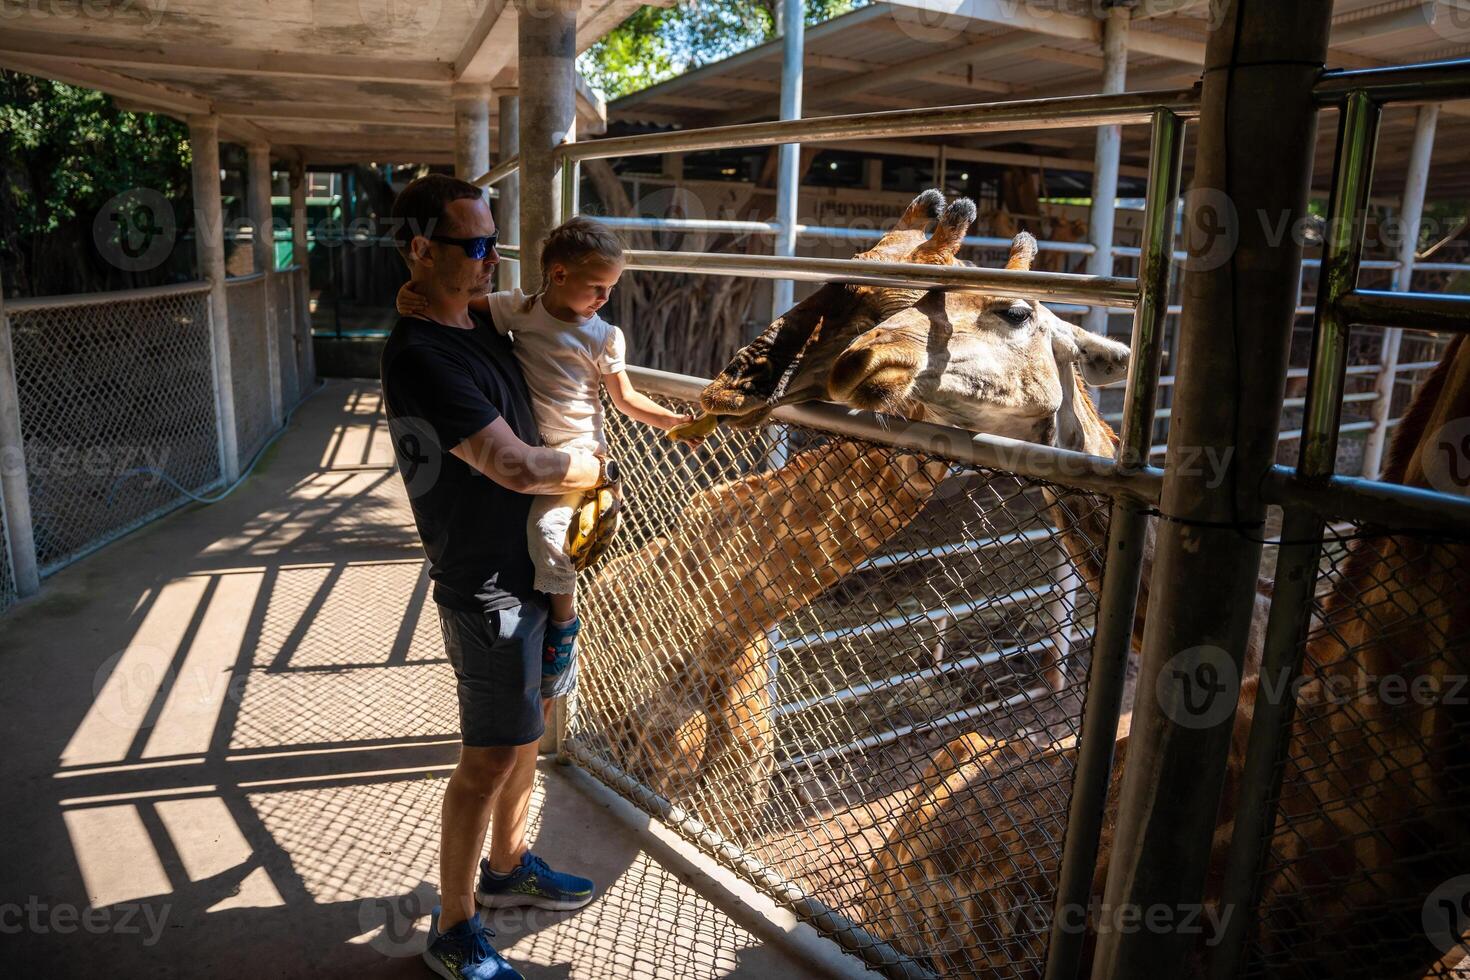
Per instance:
{"type": "Point", "coordinates": [227, 735]}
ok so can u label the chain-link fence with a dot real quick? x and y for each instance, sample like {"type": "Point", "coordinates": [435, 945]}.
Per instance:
{"type": "Point", "coordinates": [116, 400]}
{"type": "Point", "coordinates": [797, 657]}
{"type": "Point", "coordinates": [1366, 875]}
{"type": "Point", "coordinates": [250, 363]}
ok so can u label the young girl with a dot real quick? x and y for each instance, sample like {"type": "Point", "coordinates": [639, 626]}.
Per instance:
{"type": "Point", "coordinates": [566, 351]}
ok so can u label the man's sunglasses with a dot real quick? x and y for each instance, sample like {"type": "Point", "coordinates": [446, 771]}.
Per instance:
{"type": "Point", "coordinates": [475, 248]}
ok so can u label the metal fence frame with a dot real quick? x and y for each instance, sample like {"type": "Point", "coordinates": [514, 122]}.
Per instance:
{"type": "Point", "coordinates": [1306, 493]}
{"type": "Point", "coordinates": [280, 331]}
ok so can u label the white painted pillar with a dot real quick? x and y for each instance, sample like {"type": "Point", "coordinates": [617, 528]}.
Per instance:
{"type": "Point", "coordinates": [263, 246]}
{"type": "Point", "coordinates": [471, 131]}
{"type": "Point", "coordinates": [788, 169]}
{"type": "Point", "coordinates": [1411, 215]}
{"type": "Point", "coordinates": [1103, 215]}
{"type": "Point", "coordinates": [508, 218]}
{"type": "Point", "coordinates": [209, 246]}
{"type": "Point", "coordinates": [301, 257]}
{"type": "Point", "coordinates": [15, 492]}
{"type": "Point", "coordinates": [547, 34]}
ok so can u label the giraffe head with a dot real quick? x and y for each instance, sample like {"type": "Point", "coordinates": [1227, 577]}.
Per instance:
{"type": "Point", "coordinates": [789, 362]}
{"type": "Point", "coordinates": [985, 362]}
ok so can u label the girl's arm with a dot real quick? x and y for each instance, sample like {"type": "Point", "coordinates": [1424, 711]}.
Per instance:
{"type": "Point", "coordinates": [411, 302]}
{"type": "Point", "coordinates": [638, 406]}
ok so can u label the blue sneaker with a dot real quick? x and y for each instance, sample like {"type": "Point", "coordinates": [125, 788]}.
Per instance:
{"type": "Point", "coordinates": [465, 953]}
{"type": "Point", "coordinates": [533, 883]}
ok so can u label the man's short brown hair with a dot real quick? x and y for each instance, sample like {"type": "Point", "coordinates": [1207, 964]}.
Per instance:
{"type": "Point", "coordinates": [577, 240]}
{"type": "Point", "coordinates": [419, 207]}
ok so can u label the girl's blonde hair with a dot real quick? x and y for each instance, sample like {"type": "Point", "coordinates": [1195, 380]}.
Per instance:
{"type": "Point", "coordinates": [578, 239]}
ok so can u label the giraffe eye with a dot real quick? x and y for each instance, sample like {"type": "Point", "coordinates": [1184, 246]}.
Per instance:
{"type": "Point", "coordinates": [1016, 314]}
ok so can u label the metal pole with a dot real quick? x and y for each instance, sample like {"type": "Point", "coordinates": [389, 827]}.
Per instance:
{"type": "Point", "coordinates": [301, 257]}
{"type": "Point", "coordinates": [1265, 58]}
{"type": "Point", "coordinates": [509, 217]}
{"type": "Point", "coordinates": [1127, 537]}
{"type": "Point", "coordinates": [788, 169]}
{"type": "Point", "coordinates": [263, 247]}
{"type": "Point", "coordinates": [1411, 214]}
{"type": "Point", "coordinates": [209, 247]}
{"type": "Point", "coordinates": [547, 31]}
{"type": "Point", "coordinates": [1302, 527]}
{"type": "Point", "coordinates": [471, 131]}
{"type": "Point", "coordinates": [15, 495]}
{"type": "Point", "coordinates": [1102, 216]}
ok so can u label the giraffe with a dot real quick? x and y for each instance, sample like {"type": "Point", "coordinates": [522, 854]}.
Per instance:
{"type": "Point", "coordinates": [698, 724]}
{"type": "Point", "coordinates": [1376, 794]}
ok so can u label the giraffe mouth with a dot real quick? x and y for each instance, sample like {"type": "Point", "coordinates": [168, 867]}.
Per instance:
{"type": "Point", "coordinates": [877, 378]}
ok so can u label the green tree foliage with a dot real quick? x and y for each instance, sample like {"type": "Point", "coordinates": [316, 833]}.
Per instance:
{"type": "Point", "coordinates": [65, 152]}
{"type": "Point", "coordinates": [657, 43]}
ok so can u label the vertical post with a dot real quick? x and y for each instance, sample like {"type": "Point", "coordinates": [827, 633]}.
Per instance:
{"type": "Point", "coordinates": [788, 160]}
{"type": "Point", "coordinates": [301, 257]}
{"type": "Point", "coordinates": [1126, 544]}
{"type": "Point", "coordinates": [509, 218]}
{"type": "Point", "coordinates": [209, 247]}
{"type": "Point", "coordinates": [263, 248]}
{"type": "Point", "coordinates": [1299, 560]}
{"type": "Point", "coordinates": [1102, 217]}
{"type": "Point", "coordinates": [1411, 214]}
{"type": "Point", "coordinates": [546, 34]}
{"type": "Point", "coordinates": [1234, 337]}
{"type": "Point", "coordinates": [471, 130]}
{"type": "Point", "coordinates": [15, 492]}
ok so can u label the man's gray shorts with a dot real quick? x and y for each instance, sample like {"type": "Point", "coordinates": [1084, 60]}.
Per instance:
{"type": "Point", "coordinates": [497, 663]}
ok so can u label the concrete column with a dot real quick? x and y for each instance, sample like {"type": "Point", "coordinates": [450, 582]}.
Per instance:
{"type": "Point", "coordinates": [547, 35]}
{"type": "Point", "coordinates": [873, 174]}
{"type": "Point", "coordinates": [672, 166]}
{"type": "Point", "coordinates": [1411, 215]}
{"type": "Point", "coordinates": [15, 492]}
{"type": "Point", "coordinates": [299, 245]}
{"type": "Point", "coordinates": [1103, 215]}
{"type": "Point", "coordinates": [508, 217]}
{"type": "Point", "coordinates": [788, 161]}
{"type": "Point", "coordinates": [471, 131]}
{"type": "Point", "coordinates": [1256, 136]}
{"type": "Point", "coordinates": [209, 246]}
{"type": "Point", "coordinates": [263, 246]}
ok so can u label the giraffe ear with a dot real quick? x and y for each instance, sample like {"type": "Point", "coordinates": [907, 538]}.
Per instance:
{"type": "Point", "coordinates": [1023, 252]}
{"type": "Point", "coordinates": [1101, 361]}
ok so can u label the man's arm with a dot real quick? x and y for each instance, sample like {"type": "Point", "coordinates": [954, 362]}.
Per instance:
{"type": "Point", "coordinates": [498, 453]}
{"type": "Point", "coordinates": [638, 406]}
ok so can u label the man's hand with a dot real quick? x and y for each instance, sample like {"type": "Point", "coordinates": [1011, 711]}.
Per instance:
{"type": "Point", "coordinates": [497, 453]}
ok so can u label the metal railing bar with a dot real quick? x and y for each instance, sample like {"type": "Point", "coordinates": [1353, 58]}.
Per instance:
{"type": "Point", "coordinates": [1091, 290]}
{"type": "Point", "coordinates": [245, 280]}
{"type": "Point", "coordinates": [1436, 81]}
{"type": "Point", "coordinates": [1026, 459]}
{"type": "Point", "coordinates": [1409, 311]}
{"type": "Point", "coordinates": [29, 304]}
{"type": "Point", "coordinates": [1070, 112]}
{"type": "Point", "coordinates": [903, 731]}
{"type": "Point", "coordinates": [889, 624]}
{"type": "Point", "coordinates": [852, 937]}
{"type": "Point", "coordinates": [717, 225]}
{"type": "Point", "coordinates": [499, 172]}
{"type": "Point", "coordinates": [951, 549]}
{"type": "Point", "coordinates": [899, 680]}
{"type": "Point", "coordinates": [1391, 505]}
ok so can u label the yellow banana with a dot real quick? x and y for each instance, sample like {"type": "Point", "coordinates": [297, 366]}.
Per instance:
{"type": "Point", "coordinates": [697, 429]}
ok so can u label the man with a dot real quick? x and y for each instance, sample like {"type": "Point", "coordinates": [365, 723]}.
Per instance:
{"type": "Point", "coordinates": [467, 448]}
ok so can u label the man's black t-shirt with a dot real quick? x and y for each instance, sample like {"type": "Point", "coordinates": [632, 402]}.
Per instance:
{"type": "Point", "coordinates": [441, 385]}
